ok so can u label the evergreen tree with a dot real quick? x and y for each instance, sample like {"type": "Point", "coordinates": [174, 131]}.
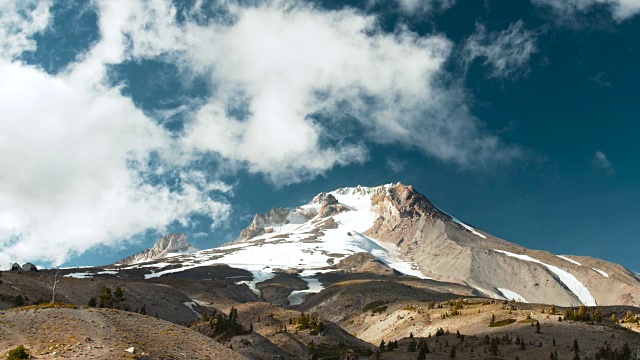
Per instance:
{"type": "Point", "coordinates": [422, 355]}
{"type": "Point", "coordinates": [118, 297]}
{"type": "Point", "coordinates": [575, 348]}
{"type": "Point", "coordinates": [537, 327]}
{"type": "Point", "coordinates": [382, 346]}
{"type": "Point", "coordinates": [452, 354]}
{"type": "Point", "coordinates": [411, 347]}
{"type": "Point", "coordinates": [106, 298]}
{"type": "Point", "coordinates": [92, 302]}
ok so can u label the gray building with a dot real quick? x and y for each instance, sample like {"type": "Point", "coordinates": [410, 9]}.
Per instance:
{"type": "Point", "coordinates": [29, 267]}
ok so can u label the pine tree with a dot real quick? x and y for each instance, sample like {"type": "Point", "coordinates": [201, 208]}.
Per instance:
{"type": "Point", "coordinates": [575, 348]}
{"type": "Point", "coordinates": [118, 297]}
{"type": "Point", "coordinates": [106, 298]}
{"type": "Point", "coordinates": [537, 327]}
{"type": "Point", "coordinates": [411, 347]}
{"type": "Point", "coordinates": [382, 346]}
{"type": "Point", "coordinates": [452, 354]}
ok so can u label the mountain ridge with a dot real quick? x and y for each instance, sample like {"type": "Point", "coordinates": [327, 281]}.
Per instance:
{"type": "Point", "coordinates": [448, 249]}
{"type": "Point", "coordinates": [167, 244]}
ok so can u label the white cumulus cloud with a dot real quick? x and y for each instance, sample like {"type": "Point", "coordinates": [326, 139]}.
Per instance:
{"type": "Point", "coordinates": [77, 159]}
{"type": "Point", "coordinates": [316, 87]}
{"type": "Point", "coordinates": [19, 21]}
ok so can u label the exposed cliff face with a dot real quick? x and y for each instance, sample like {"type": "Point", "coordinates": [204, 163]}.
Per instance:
{"type": "Point", "coordinates": [262, 221]}
{"type": "Point", "coordinates": [169, 243]}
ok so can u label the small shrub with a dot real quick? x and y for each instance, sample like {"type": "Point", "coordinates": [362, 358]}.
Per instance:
{"type": "Point", "coordinates": [18, 353]}
{"type": "Point", "coordinates": [375, 306]}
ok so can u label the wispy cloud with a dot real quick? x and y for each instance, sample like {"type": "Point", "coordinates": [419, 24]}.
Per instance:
{"type": "Point", "coordinates": [396, 165]}
{"type": "Point", "coordinates": [420, 7]}
{"type": "Point", "coordinates": [506, 52]}
{"type": "Point", "coordinates": [620, 9]}
{"type": "Point", "coordinates": [600, 80]}
{"type": "Point", "coordinates": [602, 163]}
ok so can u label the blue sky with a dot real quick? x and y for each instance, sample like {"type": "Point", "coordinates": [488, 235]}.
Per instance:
{"type": "Point", "coordinates": [123, 120]}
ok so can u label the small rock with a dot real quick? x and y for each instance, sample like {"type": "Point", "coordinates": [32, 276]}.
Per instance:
{"type": "Point", "coordinates": [86, 339]}
{"type": "Point", "coordinates": [131, 350]}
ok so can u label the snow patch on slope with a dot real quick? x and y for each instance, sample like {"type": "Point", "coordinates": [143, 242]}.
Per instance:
{"type": "Point", "coordinates": [191, 305]}
{"type": "Point", "coordinates": [601, 272]}
{"type": "Point", "coordinates": [512, 295]}
{"type": "Point", "coordinates": [460, 222]}
{"type": "Point", "coordinates": [569, 260]}
{"type": "Point", "coordinates": [569, 280]}
{"type": "Point", "coordinates": [89, 275]}
{"type": "Point", "coordinates": [297, 297]}
{"type": "Point", "coordinates": [471, 229]}
{"type": "Point", "coordinates": [80, 275]}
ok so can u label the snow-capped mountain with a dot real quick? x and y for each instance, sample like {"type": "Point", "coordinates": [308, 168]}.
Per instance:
{"type": "Point", "coordinates": [169, 244]}
{"type": "Point", "coordinates": [403, 230]}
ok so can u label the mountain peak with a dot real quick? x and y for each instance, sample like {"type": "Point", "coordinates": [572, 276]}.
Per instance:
{"type": "Point", "coordinates": [168, 244]}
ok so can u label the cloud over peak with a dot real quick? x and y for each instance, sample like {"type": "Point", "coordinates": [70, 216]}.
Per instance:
{"type": "Point", "coordinates": [294, 90]}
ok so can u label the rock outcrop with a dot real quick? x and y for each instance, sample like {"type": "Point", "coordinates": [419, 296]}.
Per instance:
{"type": "Point", "coordinates": [169, 243]}
{"type": "Point", "coordinates": [262, 221]}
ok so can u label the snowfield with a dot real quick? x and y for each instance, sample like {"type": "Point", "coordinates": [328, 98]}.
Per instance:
{"type": "Point", "coordinates": [569, 280]}
{"type": "Point", "coordinates": [512, 295]}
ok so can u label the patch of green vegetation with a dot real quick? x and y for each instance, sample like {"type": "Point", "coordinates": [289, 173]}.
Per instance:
{"type": "Point", "coordinates": [18, 353]}
{"type": "Point", "coordinates": [502, 323]}
{"type": "Point", "coordinates": [338, 351]}
{"type": "Point", "coordinates": [526, 321]}
{"type": "Point", "coordinates": [377, 306]}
